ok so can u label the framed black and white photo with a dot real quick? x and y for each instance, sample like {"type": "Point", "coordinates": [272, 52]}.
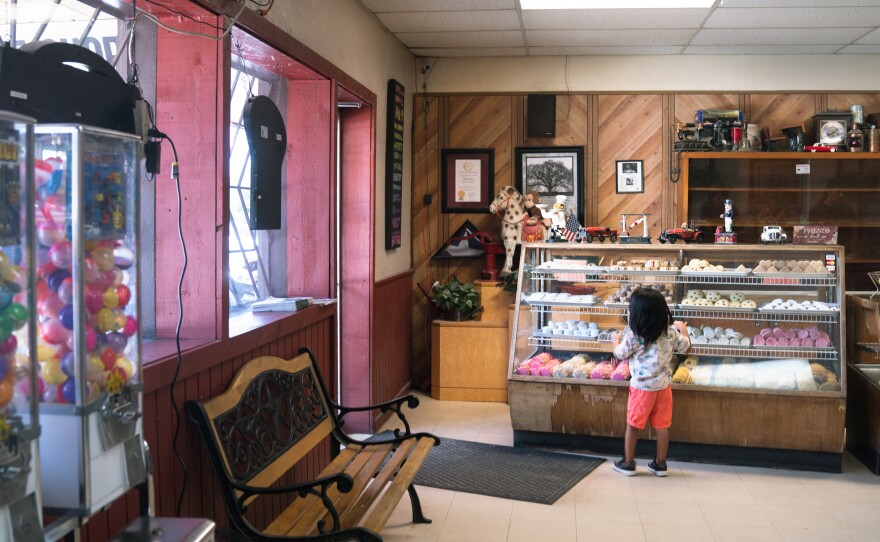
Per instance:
{"type": "Point", "coordinates": [630, 178]}
{"type": "Point", "coordinates": [556, 174]}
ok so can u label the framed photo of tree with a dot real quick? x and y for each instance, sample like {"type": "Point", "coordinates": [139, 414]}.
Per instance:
{"type": "Point", "coordinates": [553, 172]}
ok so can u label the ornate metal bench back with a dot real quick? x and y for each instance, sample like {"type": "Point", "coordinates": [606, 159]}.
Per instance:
{"type": "Point", "coordinates": [274, 411]}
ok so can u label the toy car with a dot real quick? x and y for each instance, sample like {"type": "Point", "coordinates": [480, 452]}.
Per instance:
{"type": "Point", "coordinates": [773, 234]}
{"type": "Point", "coordinates": [686, 233]}
{"type": "Point", "coordinates": [599, 232]}
{"type": "Point", "coordinates": [821, 148]}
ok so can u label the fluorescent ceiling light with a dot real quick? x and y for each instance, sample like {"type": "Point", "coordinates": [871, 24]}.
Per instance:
{"type": "Point", "coordinates": [615, 4]}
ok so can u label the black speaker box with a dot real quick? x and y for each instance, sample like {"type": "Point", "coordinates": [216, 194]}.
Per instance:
{"type": "Point", "coordinates": [541, 112]}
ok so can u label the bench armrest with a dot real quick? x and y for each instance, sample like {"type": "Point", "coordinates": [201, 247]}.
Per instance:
{"type": "Point", "coordinates": [317, 487]}
{"type": "Point", "coordinates": [394, 405]}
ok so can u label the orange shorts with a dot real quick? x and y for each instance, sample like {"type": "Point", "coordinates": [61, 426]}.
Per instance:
{"type": "Point", "coordinates": [654, 405]}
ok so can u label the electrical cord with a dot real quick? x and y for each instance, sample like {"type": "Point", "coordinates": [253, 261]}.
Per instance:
{"type": "Point", "coordinates": [196, 34]}
{"type": "Point", "coordinates": [175, 174]}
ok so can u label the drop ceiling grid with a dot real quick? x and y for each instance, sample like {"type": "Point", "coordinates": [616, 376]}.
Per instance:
{"type": "Point", "coordinates": [461, 28]}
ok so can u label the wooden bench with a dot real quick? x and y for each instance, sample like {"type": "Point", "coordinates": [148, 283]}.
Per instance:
{"type": "Point", "coordinates": [273, 413]}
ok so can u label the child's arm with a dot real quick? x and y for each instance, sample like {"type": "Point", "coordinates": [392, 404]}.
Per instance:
{"type": "Point", "coordinates": [623, 344]}
{"type": "Point", "coordinates": [683, 341]}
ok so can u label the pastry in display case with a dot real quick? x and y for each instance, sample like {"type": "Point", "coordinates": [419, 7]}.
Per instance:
{"type": "Point", "coordinates": [19, 428]}
{"type": "Point", "coordinates": [88, 310]}
{"type": "Point", "coordinates": [764, 331]}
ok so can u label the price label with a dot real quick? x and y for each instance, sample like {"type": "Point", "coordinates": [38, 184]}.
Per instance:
{"type": "Point", "coordinates": [802, 169]}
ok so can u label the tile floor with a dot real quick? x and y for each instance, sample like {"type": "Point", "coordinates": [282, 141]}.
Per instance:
{"type": "Point", "coordinates": [695, 502]}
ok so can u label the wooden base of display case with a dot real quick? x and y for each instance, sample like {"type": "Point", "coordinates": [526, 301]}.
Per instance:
{"type": "Point", "coordinates": [863, 418]}
{"type": "Point", "coordinates": [469, 360]}
{"type": "Point", "coordinates": [806, 429]}
{"type": "Point", "coordinates": [690, 452]}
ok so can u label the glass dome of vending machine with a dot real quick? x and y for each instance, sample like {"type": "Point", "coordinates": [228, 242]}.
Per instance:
{"type": "Point", "coordinates": [19, 429]}
{"type": "Point", "coordinates": [88, 345]}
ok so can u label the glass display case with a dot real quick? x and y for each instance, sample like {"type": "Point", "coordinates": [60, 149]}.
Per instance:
{"type": "Point", "coordinates": [19, 428]}
{"type": "Point", "coordinates": [764, 322]}
{"type": "Point", "coordinates": [788, 189]}
{"type": "Point", "coordinates": [88, 308]}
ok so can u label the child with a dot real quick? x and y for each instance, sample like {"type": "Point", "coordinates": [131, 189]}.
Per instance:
{"type": "Point", "coordinates": [648, 343]}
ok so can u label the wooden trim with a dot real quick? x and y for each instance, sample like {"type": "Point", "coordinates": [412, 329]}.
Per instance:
{"type": "Point", "coordinates": [272, 35]}
{"type": "Point", "coordinates": [389, 280]}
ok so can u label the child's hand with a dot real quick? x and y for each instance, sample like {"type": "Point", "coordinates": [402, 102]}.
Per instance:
{"type": "Point", "coordinates": [615, 338]}
{"type": "Point", "coordinates": [681, 327]}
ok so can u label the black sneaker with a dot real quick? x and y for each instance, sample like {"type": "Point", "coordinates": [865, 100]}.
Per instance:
{"type": "Point", "coordinates": [659, 469]}
{"type": "Point", "coordinates": [624, 468]}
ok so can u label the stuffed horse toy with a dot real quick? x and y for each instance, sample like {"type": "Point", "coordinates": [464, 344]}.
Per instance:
{"type": "Point", "coordinates": [510, 207]}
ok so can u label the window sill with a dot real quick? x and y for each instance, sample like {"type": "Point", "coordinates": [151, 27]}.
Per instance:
{"type": "Point", "coordinates": [247, 332]}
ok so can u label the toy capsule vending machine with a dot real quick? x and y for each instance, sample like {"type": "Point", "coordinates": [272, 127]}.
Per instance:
{"type": "Point", "coordinates": [19, 431]}
{"type": "Point", "coordinates": [91, 447]}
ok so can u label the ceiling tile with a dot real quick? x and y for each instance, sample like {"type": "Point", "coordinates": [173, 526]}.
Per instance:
{"type": "Point", "coordinates": [761, 49]}
{"type": "Point", "coordinates": [794, 3]}
{"type": "Point", "coordinates": [871, 38]}
{"type": "Point", "coordinates": [861, 49]}
{"type": "Point", "coordinates": [565, 38]}
{"type": "Point", "coordinates": [468, 52]}
{"type": "Point", "coordinates": [560, 19]}
{"type": "Point", "coordinates": [505, 38]}
{"type": "Point", "coordinates": [594, 51]}
{"type": "Point", "coordinates": [778, 36]}
{"type": "Point", "coordinates": [383, 6]}
{"type": "Point", "coordinates": [794, 17]}
{"type": "Point", "coordinates": [450, 21]}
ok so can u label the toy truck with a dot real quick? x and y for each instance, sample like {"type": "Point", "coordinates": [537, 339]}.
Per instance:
{"type": "Point", "coordinates": [596, 232]}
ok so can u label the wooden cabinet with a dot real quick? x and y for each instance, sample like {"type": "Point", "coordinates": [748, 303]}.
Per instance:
{"type": "Point", "coordinates": [744, 400]}
{"type": "Point", "coordinates": [787, 189]}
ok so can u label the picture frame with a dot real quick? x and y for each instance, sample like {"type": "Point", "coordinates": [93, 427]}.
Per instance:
{"type": "Point", "coordinates": [630, 177]}
{"type": "Point", "coordinates": [552, 172]}
{"type": "Point", "coordinates": [467, 178]}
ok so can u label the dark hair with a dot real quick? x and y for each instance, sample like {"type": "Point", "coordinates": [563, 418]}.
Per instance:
{"type": "Point", "coordinates": [649, 315]}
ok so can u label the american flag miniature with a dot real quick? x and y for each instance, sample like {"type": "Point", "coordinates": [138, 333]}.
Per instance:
{"type": "Point", "coordinates": [571, 227]}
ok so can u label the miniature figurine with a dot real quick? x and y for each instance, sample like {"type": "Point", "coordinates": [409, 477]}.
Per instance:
{"type": "Point", "coordinates": [532, 201]}
{"type": "Point", "coordinates": [557, 219]}
{"type": "Point", "coordinates": [727, 215]}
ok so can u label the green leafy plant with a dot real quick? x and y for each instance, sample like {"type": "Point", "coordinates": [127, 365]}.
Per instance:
{"type": "Point", "coordinates": [508, 282]}
{"type": "Point", "coordinates": [456, 300]}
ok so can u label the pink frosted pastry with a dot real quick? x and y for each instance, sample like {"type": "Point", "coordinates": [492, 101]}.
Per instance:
{"type": "Point", "coordinates": [794, 342]}
{"type": "Point", "coordinates": [772, 341]}
{"type": "Point", "coordinates": [766, 332]}
{"type": "Point", "coordinates": [602, 371]}
{"type": "Point", "coordinates": [822, 343]}
{"type": "Point", "coordinates": [778, 332]}
{"type": "Point", "coordinates": [547, 368]}
{"type": "Point", "coordinates": [621, 372]}
{"type": "Point", "coordinates": [790, 334]}
{"type": "Point", "coordinates": [823, 335]}
{"type": "Point", "coordinates": [523, 368]}
{"type": "Point", "coordinates": [808, 342]}
{"type": "Point", "coordinates": [803, 334]}
{"type": "Point", "coordinates": [814, 334]}
{"type": "Point", "coordinates": [782, 342]}
{"type": "Point", "coordinates": [759, 340]}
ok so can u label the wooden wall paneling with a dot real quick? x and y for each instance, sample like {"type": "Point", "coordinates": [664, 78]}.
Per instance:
{"type": "Point", "coordinates": [629, 129]}
{"type": "Point", "coordinates": [357, 268]}
{"type": "Point", "coordinates": [591, 175]}
{"type": "Point", "coordinates": [870, 102]}
{"type": "Point", "coordinates": [778, 111]}
{"type": "Point", "coordinates": [308, 172]}
{"type": "Point", "coordinates": [191, 119]}
{"type": "Point", "coordinates": [425, 218]}
{"type": "Point", "coordinates": [571, 121]}
{"type": "Point", "coordinates": [392, 339]}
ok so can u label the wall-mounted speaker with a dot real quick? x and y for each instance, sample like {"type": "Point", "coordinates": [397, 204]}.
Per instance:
{"type": "Point", "coordinates": [541, 115]}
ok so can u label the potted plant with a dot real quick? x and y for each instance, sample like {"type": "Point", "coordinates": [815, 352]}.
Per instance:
{"type": "Point", "coordinates": [456, 300]}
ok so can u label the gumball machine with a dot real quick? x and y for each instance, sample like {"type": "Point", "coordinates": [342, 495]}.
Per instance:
{"type": "Point", "coordinates": [87, 304]}
{"type": "Point", "coordinates": [19, 429]}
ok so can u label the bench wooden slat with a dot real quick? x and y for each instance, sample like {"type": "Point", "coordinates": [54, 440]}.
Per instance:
{"type": "Point", "coordinates": [361, 471]}
{"type": "Point", "coordinates": [293, 513]}
{"type": "Point", "coordinates": [388, 502]}
{"type": "Point", "coordinates": [354, 513]}
{"type": "Point", "coordinates": [366, 477]}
